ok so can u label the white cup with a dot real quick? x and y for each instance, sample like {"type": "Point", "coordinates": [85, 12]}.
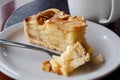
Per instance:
{"type": "Point", "coordinates": [102, 11]}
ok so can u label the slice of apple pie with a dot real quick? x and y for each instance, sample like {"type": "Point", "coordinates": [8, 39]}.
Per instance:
{"type": "Point", "coordinates": [59, 31]}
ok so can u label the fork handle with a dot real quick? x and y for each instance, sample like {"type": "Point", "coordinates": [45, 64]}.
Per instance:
{"type": "Point", "coordinates": [22, 45]}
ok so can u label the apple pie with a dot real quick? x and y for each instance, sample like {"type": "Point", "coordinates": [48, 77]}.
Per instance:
{"type": "Point", "coordinates": [57, 30]}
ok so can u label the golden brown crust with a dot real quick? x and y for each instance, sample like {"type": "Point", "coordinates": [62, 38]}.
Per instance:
{"type": "Point", "coordinates": [40, 17]}
{"type": "Point", "coordinates": [51, 16]}
{"type": "Point", "coordinates": [46, 66]}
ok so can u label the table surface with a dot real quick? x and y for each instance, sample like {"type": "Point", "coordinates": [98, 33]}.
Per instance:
{"type": "Point", "coordinates": [115, 27]}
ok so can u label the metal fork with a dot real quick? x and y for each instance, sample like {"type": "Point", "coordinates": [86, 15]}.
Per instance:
{"type": "Point", "coordinates": [22, 45]}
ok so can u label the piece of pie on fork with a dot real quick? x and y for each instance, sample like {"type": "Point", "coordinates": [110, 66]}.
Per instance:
{"type": "Point", "coordinates": [56, 30]}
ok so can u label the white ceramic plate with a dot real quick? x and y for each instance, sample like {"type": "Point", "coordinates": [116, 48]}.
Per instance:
{"type": "Point", "coordinates": [24, 64]}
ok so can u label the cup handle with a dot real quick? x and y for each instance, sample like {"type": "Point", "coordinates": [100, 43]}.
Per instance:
{"type": "Point", "coordinates": [114, 13]}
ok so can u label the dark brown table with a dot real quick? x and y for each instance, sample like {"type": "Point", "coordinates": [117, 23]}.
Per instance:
{"type": "Point", "coordinates": [115, 27]}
